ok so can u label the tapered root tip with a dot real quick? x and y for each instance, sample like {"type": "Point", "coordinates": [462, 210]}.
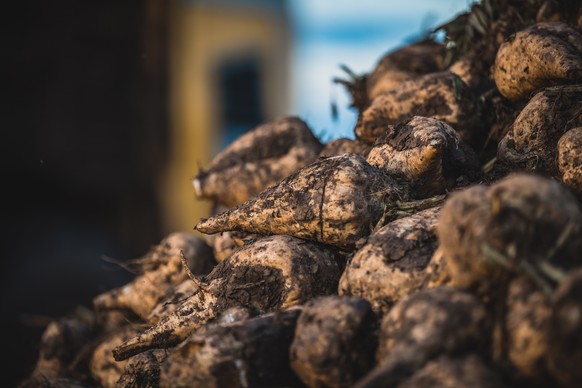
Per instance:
{"type": "Point", "coordinates": [130, 348]}
{"type": "Point", "coordinates": [212, 225]}
{"type": "Point", "coordinates": [146, 341]}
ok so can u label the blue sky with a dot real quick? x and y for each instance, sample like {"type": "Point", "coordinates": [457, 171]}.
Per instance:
{"type": "Point", "coordinates": [328, 33]}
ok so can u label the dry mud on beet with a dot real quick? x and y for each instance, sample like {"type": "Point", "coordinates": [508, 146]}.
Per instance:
{"type": "Point", "coordinates": [159, 271]}
{"type": "Point", "coordinates": [392, 264]}
{"type": "Point", "coordinates": [532, 141]}
{"type": "Point", "coordinates": [225, 243]}
{"type": "Point", "coordinates": [396, 66]}
{"type": "Point", "coordinates": [426, 153]}
{"type": "Point", "coordinates": [442, 96]}
{"type": "Point", "coordinates": [412, 333]}
{"type": "Point", "coordinates": [419, 58]}
{"type": "Point", "coordinates": [545, 54]}
{"type": "Point", "coordinates": [256, 160]}
{"type": "Point", "coordinates": [514, 225]}
{"type": "Point", "coordinates": [570, 159]}
{"type": "Point", "coordinates": [271, 273]}
{"type": "Point", "coordinates": [335, 201]}
{"type": "Point", "coordinates": [346, 341]}
{"type": "Point", "coordinates": [251, 353]}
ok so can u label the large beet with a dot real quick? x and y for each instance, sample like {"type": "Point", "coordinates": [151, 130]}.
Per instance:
{"type": "Point", "coordinates": [336, 201]}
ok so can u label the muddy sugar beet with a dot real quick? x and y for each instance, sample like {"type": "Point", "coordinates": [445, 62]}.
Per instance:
{"type": "Point", "coordinates": [520, 223]}
{"type": "Point", "coordinates": [532, 141]}
{"type": "Point", "coordinates": [440, 245]}
{"type": "Point", "coordinates": [542, 55]}
{"type": "Point", "coordinates": [269, 274]}
{"type": "Point", "coordinates": [247, 353]}
{"type": "Point", "coordinates": [412, 333]}
{"type": "Point", "coordinates": [159, 271]}
{"type": "Point", "coordinates": [256, 160]}
{"type": "Point", "coordinates": [426, 153]}
{"type": "Point", "coordinates": [442, 96]}
{"type": "Point", "coordinates": [344, 329]}
{"type": "Point", "coordinates": [336, 201]}
{"type": "Point", "coordinates": [570, 159]}
{"type": "Point", "coordinates": [393, 262]}
{"type": "Point", "coordinates": [396, 66]}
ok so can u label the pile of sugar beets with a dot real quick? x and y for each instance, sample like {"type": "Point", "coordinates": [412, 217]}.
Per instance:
{"type": "Point", "coordinates": [442, 247]}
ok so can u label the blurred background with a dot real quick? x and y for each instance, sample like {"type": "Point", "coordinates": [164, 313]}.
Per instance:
{"type": "Point", "coordinates": [112, 107]}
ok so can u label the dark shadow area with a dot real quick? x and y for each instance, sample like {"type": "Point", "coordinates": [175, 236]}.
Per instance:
{"type": "Point", "coordinates": [84, 142]}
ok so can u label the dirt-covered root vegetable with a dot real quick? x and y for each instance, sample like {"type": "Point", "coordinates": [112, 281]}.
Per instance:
{"type": "Point", "coordinates": [432, 322]}
{"type": "Point", "coordinates": [441, 321]}
{"type": "Point", "coordinates": [526, 320]}
{"type": "Point", "coordinates": [249, 353]}
{"type": "Point", "coordinates": [396, 66]}
{"type": "Point", "coordinates": [336, 201]}
{"type": "Point", "coordinates": [172, 299]}
{"type": "Point", "coordinates": [531, 142]}
{"type": "Point", "coordinates": [419, 58]}
{"type": "Point", "coordinates": [223, 244]}
{"type": "Point", "coordinates": [274, 272]}
{"type": "Point", "coordinates": [256, 160]}
{"type": "Point", "coordinates": [160, 270]}
{"type": "Point", "coordinates": [63, 349]}
{"type": "Point", "coordinates": [269, 274]}
{"type": "Point", "coordinates": [335, 341]}
{"type": "Point", "coordinates": [144, 369]}
{"type": "Point", "coordinates": [453, 372]}
{"type": "Point", "coordinates": [427, 153]}
{"type": "Point", "coordinates": [570, 159]}
{"type": "Point", "coordinates": [443, 96]}
{"type": "Point", "coordinates": [392, 263]}
{"type": "Point", "coordinates": [564, 355]}
{"type": "Point", "coordinates": [343, 145]}
{"type": "Point", "coordinates": [473, 37]}
{"type": "Point", "coordinates": [104, 368]}
{"type": "Point", "coordinates": [542, 55]}
{"type": "Point", "coordinates": [522, 223]}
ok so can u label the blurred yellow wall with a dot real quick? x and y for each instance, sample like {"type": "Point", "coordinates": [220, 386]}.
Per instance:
{"type": "Point", "coordinates": [202, 35]}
